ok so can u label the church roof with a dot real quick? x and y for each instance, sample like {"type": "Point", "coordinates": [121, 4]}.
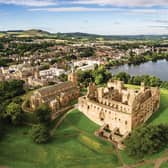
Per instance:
{"type": "Point", "coordinates": [53, 89]}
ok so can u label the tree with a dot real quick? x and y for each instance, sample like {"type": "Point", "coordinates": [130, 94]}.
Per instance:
{"type": "Point", "coordinates": [86, 52]}
{"type": "Point", "coordinates": [99, 79]}
{"type": "Point", "coordinates": [14, 113]}
{"type": "Point", "coordinates": [43, 114]}
{"type": "Point", "coordinates": [101, 75]}
{"type": "Point", "coordinates": [85, 77]}
{"type": "Point", "coordinates": [40, 134]}
{"type": "Point", "coordinates": [63, 77]}
{"type": "Point", "coordinates": [147, 140]}
{"type": "Point", "coordinates": [123, 76]}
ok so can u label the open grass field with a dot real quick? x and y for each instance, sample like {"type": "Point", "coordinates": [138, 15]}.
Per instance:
{"type": "Point", "coordinates": [74, 145]}
{"type": "Point", "coordinates": [164, 165]}
{"type": "Point", "coordinates": [2, 35]}
{"type": "Point", "coordinates": [162, 115]}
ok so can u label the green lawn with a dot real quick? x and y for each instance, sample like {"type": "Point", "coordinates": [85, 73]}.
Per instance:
{"type": "Point", "coordinates": [147, 166]}
{"type": "Point", "coordinates": [74, 145]}
{"type": "Point", "coordinates": [162, 115]}
{"type": "Point", "coordinates": [164, 165]}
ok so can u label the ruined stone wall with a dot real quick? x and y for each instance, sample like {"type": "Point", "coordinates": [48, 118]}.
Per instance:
{"type": "Point", "coordinates": [102, 114]}
{"type": "Point", "coordinates": [129, 109]}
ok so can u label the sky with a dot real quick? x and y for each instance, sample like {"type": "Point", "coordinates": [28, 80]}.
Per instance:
{"type": "Point", "coordinates": [107, 17]}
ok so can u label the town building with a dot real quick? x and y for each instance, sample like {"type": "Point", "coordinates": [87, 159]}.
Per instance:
{"type": "Point", "coordinates": [118, 108]}
{"type": "Point", "coordinates": [54, 72]}
{"type": "Point", "coordinates": [86, 64]}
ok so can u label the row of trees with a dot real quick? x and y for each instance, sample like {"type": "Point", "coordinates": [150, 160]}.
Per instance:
{"type": "Point", "coordinates": [133, 59]}
{"type": "Point", "coordinates": [148, 56]}
{"type": "Point", "coordinates": [136, 80]}
{"type": "Point", "coordinates": [147, 140]}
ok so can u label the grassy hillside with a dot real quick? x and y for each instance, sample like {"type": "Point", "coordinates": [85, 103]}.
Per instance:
{"type": "Point", "coordinates": [2, 35]}
{"type": "Point", "coordinates": [33, 33]}
{"type": "Point", "coordinates": [27, 33]}
{"type": "Point", "coordinates": [162, 115]}
{"type": "Point", "coordinates": [74, 145]}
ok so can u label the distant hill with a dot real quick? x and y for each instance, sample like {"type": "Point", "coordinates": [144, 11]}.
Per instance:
{"type": "Point", "coordinates": [113, 37]}
{"type": "Point", "coordinates": [25, 33]}
{"type": "Point", "coordinates": [78, 35]}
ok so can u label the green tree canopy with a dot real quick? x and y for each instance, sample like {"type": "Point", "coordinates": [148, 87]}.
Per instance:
{"type": "Point", "coordinates": [43, 114]}
{"type": "Point", "coordinates": [147, 140]}
{"type": "Point", "coordinates": [14, 113]}
{"type": "Point", "coordinates": [40, 134]}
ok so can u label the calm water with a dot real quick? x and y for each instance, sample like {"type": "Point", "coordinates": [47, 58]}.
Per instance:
{"type": "Point", "coordinates": [159, 69]}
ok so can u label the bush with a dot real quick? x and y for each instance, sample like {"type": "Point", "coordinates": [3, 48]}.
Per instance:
{"type": "Point", "coordinates": [43, 114]}
{"type": "Point", "coordinates": [147, 140]}
{"type": "Point", "coordinates": [14, 113]}
{"type": "Point", "coordinates": [40, 134]}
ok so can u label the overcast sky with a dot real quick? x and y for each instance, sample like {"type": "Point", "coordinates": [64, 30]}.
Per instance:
{"type": "Point", "coordinates": [111, 17]}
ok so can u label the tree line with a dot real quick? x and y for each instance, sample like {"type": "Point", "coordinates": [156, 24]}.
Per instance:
{"type": "Point", "coordinates": [136, 80]}
{"type": "Point", "coordinates": [11, 113]}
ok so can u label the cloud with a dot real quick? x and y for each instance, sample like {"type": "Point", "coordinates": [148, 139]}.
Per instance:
{"type": "Point", "coordinates": [163, 27]}
{"type": "Point", "coordinates": [128, 3]}
{"type": "Point", "coordinates": [102, 9]}
{"type": "Point", "coordinates": [161, 21]}
{"type": "Point", "coordinates": [74, 9]}
{"type": "Point", "coordinates": [36, 3]}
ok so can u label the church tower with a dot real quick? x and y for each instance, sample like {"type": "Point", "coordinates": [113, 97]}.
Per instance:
{"type": "Point", "coordinates": [73, 78]}
{"type": "Point", "coordinates": [36, 73]}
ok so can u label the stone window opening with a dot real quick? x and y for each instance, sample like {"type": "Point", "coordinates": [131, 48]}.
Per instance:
{"type": "Point", "coordinates": [101, 116]}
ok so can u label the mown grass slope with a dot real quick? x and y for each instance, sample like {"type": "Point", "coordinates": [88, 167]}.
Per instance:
{"type": "Point", "coordinates": [74, 145]}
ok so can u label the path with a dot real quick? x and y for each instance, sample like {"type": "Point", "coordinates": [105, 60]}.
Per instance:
{"type": "Point", "coordinates": [157, 162]}
{"type": "Point", "coordinates": [61, 120]}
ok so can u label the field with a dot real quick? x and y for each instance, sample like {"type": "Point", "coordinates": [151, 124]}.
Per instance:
{"type": "Point", "coordinates": [74, 145]}
{"type": "Point", "coordinates": [162, 115]}
{"type": "Point", "coordinates": [2, 35]}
